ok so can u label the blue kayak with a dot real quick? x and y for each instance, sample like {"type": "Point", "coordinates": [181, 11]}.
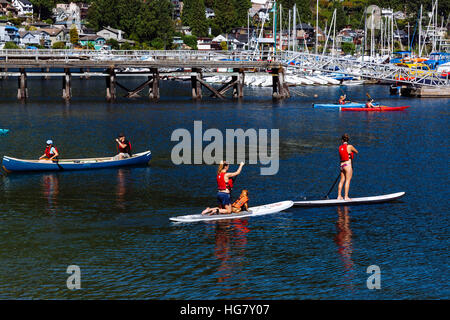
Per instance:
{"type": "Point", "coordinates": [12, 164]}
{"type": "Point", "coordinates": [4, 131]}
{"type": "Point", "coordinates": [335, 105]}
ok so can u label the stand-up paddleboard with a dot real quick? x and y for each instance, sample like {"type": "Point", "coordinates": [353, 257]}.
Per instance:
{"type": "Point", "coordinates": [254, 211]}
{"type": "Point", "coordinates": [335, 202]}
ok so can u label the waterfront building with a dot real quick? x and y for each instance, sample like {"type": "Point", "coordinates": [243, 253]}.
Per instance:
{"type": "Point", "coordinates": [9, 33]}
{"type": "Point", "coordinates": [6, 8]}
{"type": "Point", "coordinates": [24, 7]}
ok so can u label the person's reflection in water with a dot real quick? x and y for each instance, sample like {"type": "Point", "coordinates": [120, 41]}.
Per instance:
{"type": "Point", "coordinates": [231, 240]}
{"type": "Point", "coordinates": [121, 188]}
{"type": "Point", "coordinates": [50, 189]}
{"type": "Point", "coordinates": [344, 241]}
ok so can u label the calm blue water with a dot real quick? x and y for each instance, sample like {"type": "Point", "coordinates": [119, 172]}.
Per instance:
{"type": "Point", "coordinates": [114, 224]}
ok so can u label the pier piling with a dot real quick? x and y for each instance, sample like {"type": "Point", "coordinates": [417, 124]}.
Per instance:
{"type": "Point", "coordinates": [22, 92]}
{"type": "Point", "coordinates": [67, 85]}
{"type": "Point", "coordinates": [111, 85]}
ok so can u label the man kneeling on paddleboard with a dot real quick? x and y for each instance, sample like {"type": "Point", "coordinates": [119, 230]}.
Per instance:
{"type": "Point", "coordinates": [224, 186]}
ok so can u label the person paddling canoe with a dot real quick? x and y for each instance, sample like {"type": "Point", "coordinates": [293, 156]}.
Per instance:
{"type": "Point", "coordinates": [346, 154]}
{"type": "Point", "coordinates": [224, 186]}
{"type": "Point", "coordinates": [50, 153]}
{"type": "Point", "coordinates": [123, 148]}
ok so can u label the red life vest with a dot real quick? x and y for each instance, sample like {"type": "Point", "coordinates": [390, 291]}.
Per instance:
{"type": "Point", "coordinates": [127, 149]}
{"type": "Point", "coordinates": [342, 101]}
{"type": "Point", "coordinates": [47, 151]}
{"type": "Point", "coordinates": [221, 184]}
{"type": "Point", "coordinates": [343, 153]}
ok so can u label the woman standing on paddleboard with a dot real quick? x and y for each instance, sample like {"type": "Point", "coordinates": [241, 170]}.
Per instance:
{"type": "Point", "coordinates": [346, 153]}
{"type": "Point", "coordinates": [224, 186]}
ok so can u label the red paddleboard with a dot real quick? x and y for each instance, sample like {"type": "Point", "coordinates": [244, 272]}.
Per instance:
{"type": "Point", "coordinates": [380, 108]}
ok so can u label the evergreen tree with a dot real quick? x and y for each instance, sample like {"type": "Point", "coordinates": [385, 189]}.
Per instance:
{"type": "Point", "coordinates": [242, 7]}
{"type": "Point", "coordinates": [199, 24]}
{"type": "Point", "coordinates": [74, 37]}
{"type": "Point", "coordinates": [225, 15]}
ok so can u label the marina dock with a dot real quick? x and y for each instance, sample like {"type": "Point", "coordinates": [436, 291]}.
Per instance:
{"type": "Point", "coordinates": [194, 66]}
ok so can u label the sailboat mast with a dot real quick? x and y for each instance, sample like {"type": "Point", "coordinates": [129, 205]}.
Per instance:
{"type": "Point", "coordinates": [294, 29]}
{"type": "Point", "coordinates": [317, 25]}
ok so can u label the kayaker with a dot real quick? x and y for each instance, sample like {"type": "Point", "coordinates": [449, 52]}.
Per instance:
{"type": "Point", "coordinates": [369, 103]}
{"type": "Point", "coordinates": [50, 152]}
{"type": "Point", "coordinates": [342, 99]}
{"type": "Point", "coordinates": [224, 186]}
{"type": "Point", "coordinates": [346, 154]}
{"type": "Point", "coordinates": [123, 147]}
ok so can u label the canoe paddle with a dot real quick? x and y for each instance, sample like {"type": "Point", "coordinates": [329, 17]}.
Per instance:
{"type": "Point", "coordinates": [57, 163]}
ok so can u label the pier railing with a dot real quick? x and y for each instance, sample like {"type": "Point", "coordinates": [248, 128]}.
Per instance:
{"type": "Point", "coordinates": [295, 61]}
{"type": "Point", "coordinates": [300, 61]}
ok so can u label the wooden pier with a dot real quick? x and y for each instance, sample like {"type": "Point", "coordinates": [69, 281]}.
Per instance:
{"type": "Point", "coordinates": [165, 65]}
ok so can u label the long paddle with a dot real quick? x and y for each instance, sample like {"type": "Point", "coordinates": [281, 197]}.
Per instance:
{"type": "Point", "coordinates": [335, 181]}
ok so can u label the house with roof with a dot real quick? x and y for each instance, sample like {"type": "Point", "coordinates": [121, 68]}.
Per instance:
{"type": "Point", "coordinates": [67, 14]}
{"type": "Point", "coordinates": [111, 33]}
{"type": "Point", "coordinates": [57, 35]}
{"type": "Point", "coordinates": [92, 39]}
{"type": "Point", "coordinates": [6, 8]}
{"type": "Point", "coordinates": [209, 13]}
{"type": "Point", "coordinates": [9, 33]}
{"type": "Point", "coordinates": [24, 7]}
{"type": "Point", "coordinates": [35, 38]}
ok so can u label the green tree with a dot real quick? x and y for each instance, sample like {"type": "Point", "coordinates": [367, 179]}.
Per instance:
{"type": "Point", "coordinates": [113, 43]}
{"type": "Point", "coordinates": [241, 7]}
{"type": "Point", "coordinates": [59, 45]}
{"type": "Point", "coordinates": [225, 15]}
{"type": "Point", "coordinates": [11, 45]}
{"type": "Point", "coordinates": [190, 41]}
{"type": "Point", "coordinates": [74, 37]}
{"type": "Point", "coordinates": [43, 8]}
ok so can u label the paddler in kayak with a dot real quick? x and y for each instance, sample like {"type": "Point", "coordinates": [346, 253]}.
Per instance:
{"type": "Point", "coordinates": [346, 154]}
{"type": "Point", "coordinates": [369, 103]}
{"type": "Point", "coordinates": [224, 187]}
{"type": "Point", "coordinates": [50, 152]}
{"type": "Point", "coordinates": [342, 99]}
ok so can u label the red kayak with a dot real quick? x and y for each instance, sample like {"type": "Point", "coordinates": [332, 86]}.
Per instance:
{"type": "Point", "coordinates": [380, 108]}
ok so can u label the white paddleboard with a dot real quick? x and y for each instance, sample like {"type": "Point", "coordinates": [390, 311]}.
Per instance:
{"type": "Point", "coordinates": [335, 202]}
{"type": "Point", "coordinates": [253, 211]}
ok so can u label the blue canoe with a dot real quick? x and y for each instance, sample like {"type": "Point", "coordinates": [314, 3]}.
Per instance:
{"type": "Point", "coordinates": [335, 105]}
{"type": "Point", "coordinates": [4, 131]}
{"type": "Point", "coordinates": [14, 165]}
